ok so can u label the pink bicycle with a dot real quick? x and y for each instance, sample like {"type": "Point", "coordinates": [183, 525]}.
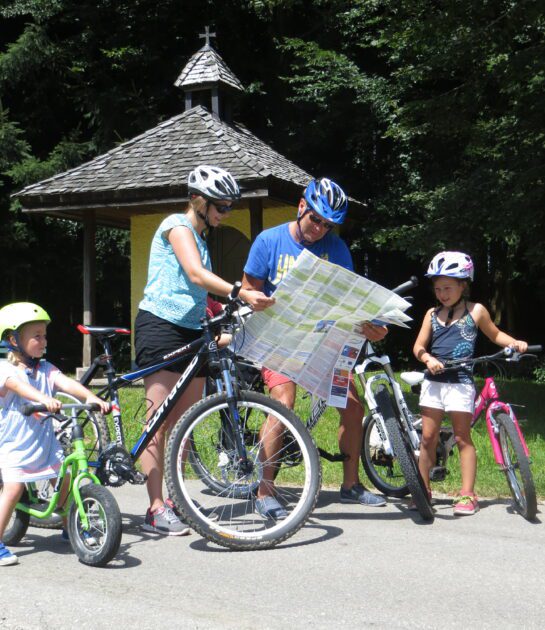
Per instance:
{"type": "Point", "coordinates": [508, 444]}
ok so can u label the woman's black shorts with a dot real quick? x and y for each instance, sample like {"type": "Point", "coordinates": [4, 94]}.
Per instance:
{"type": "Point", "coordinates": [154, 337]}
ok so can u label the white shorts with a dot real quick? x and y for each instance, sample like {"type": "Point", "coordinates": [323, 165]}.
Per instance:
{"type": "Point", "coordinates": [448, 396]}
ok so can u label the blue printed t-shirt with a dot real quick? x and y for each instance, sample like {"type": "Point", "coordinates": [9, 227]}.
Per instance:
{"type": "Point", "coordinates": [169, 292]}
{"type": "Point", "coordinates": [274, 253]}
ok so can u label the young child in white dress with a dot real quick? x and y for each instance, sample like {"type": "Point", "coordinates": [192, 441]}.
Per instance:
{"type": "Point", "coordinates": [29, 450]}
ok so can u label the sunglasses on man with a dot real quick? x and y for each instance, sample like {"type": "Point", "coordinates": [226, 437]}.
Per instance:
{"type": "Point", "coordinates": [320, 222]}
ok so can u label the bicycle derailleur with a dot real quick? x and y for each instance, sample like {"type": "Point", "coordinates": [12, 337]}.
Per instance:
{"type": "Point", "coordinates": [115, 467]}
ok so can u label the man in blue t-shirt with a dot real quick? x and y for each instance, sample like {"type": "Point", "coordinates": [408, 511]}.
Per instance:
{"type": "Point", "coordinates": [274, 252]}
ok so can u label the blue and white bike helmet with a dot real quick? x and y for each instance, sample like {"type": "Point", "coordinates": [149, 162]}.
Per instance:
{"type": "Point", "coordinates": [327, 199]}
{"type": "Point", "coordinates": [451, 264]}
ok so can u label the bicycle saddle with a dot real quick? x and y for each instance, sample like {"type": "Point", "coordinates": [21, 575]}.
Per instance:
{"type": "Point", "coordinates": [103, 331]}
{"type": "Point", "coordinates": [412, 378]}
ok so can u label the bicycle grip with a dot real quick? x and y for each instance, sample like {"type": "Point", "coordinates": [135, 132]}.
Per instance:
{"type": "Point", "coordinates": [29, 408]}
{"type": "Point", "coordinates": [235, 291]}
{"type": "Point", "coordinates": [406, 286]}
{"type": "Point", "coordinates": [534, 349]}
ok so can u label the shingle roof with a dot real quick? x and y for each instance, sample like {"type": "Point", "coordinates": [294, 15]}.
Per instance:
{"type": "Point", "coordinates": [157, 163]}
{"type": "Point", "coordinates": [206, 68]}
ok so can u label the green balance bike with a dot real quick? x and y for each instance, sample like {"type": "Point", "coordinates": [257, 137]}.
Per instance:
{"type": "Point", "coordinates": [93, 516]}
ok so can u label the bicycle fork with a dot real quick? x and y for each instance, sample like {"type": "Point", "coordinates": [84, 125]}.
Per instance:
{"type": "Point", "coordinates": [494, 429]}
{"type": "Point", "coordinates": [232, 418]}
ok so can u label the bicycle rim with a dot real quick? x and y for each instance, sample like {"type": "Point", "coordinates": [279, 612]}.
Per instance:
{"type": "Point", "coordinates": [517, 468]}
{"type": "Point", "coordinates": [228, 517]}
{"type": "Point", "coordinates": [383, 470]}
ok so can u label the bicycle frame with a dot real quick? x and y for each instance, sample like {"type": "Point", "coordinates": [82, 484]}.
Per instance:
{"type": "Point", "coordinates": [488, 400]}
{"type": "Point", "coordinates": [370, 384]}
{"type": "Point", "coordinates": [200, 349]}
{"type": "Point", "coordinates": [79, 470]}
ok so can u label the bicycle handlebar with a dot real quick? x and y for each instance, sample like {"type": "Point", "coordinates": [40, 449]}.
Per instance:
{"type": "Point", "coordinates": [507, 354]}
{"type": "Point", "coordinates": [406, 286]}
{"type": "Point", "coordinates": [29, 408]}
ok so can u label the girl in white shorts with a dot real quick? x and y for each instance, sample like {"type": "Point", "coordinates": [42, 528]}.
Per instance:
{"type": "Point", "coordinates": [449, 331]}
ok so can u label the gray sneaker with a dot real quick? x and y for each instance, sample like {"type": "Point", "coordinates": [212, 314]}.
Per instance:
{"type": "Point", "coordinates": [358, 494]}
{"type": "Point", "coordinates": [268, 507]}
{"type": "Point", "coordinates": [210, 514]}
{"type": "Point", "coordinates": [164, 521]}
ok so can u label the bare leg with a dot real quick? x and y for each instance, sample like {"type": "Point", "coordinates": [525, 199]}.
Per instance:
{"type": "Point", "coordinates": [158, 386]}
{"type": "Point", "coordinates": [11, 493]}
{"type": "Point", "coordinates": [351, 436]}
{"type": "Point", "coordinates": [461, 423]}
{"type": "Point", "coordinates": [431, 426]}
{"type": "Point", "coordinates": [271, 438]}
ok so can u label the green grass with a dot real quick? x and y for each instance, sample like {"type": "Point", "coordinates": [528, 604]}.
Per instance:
{"type": "Point", "coordinates": [490, 481]}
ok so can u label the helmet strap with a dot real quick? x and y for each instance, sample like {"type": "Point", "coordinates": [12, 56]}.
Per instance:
{"type": "Point", "coordinates": [204, 216]}
{"type": "Point", "coordinates": [451, 310]}
{"type": "Point", "coordinates": [30, 362]}
{"type": "Point", "coordinates": [299, 231]}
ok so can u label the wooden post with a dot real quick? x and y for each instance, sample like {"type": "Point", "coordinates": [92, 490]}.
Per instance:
{"type": "Point", "coordinates": [256, 218]}
{"type": "Point", "coordinates": [89, 283]}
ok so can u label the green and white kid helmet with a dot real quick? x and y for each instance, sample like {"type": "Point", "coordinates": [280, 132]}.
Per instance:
{"type": "Point", "coordinates": [15, 315]}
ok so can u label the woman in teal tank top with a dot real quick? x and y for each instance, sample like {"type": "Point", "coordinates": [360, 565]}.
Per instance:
{"type": "Point", "coordinates": [179, 279]}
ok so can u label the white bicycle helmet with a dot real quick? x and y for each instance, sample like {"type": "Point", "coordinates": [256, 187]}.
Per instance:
{"type": "Point", "coordinates": [451, 264]}
{"type": "Point", "coordinates": [212, 182]}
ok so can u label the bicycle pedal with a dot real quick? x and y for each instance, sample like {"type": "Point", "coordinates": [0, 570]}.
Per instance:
{"type": "Point", "coordinates": [438, 473]}
{"type": "Point", "coordinates": [138, 478]}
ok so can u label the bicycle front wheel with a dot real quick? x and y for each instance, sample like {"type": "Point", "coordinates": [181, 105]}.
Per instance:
{"type": "Point", "coordinates": [382, 469]}
{"type": "Point", "coordinates": [405, 456]}
{"type": "Point", "coordinates": [99, 544]}
{"type": "Point", "coordinates": [516, 467]}
{"type": "Point", "coordinates": [227, 516]}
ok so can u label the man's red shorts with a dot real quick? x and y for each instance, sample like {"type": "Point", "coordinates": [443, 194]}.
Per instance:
{"type": "Point", "coordinates": [272, 379]}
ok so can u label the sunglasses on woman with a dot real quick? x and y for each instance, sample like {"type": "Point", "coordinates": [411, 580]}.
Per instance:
{"type": "Point", "coordinates": [317, 221]}
{"type": "Point", "coordinates": [220, 208]}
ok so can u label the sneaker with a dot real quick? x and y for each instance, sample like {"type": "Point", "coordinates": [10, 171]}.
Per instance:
{"type": "Point", "coordinates": [210, 514]}
{"type": "Point", "coordinates": [466, 505]}
{"type": "Point", "coordinates": [268, 507]}
{"type": "Point", "coordinates": [164, 521]}
{"type": "Point", "coordinates": [6, 557]}
{"type": "Point", "coordinates": [90, 540]}
{"type": "Point", "coordinates": [358, 494]}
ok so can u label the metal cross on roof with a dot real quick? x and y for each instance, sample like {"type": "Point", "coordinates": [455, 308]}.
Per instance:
{"type": "Point", "coordinates": [206, 36]}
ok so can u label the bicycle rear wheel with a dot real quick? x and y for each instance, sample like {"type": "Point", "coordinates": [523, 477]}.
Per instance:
{"type": "Point", "coordinates": [227, 517]}
{"type": "Point", "coordinates": [18, 522]}
{"type": "Point", "coordinates": [405, 456]}
{"type": "Point", "coordinates": [517, 468]}
{"type": "Point", "coordinates": [383, 470]}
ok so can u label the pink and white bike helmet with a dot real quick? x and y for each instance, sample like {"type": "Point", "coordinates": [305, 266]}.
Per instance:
{"type": "Point", "coordinates": [451, 264]}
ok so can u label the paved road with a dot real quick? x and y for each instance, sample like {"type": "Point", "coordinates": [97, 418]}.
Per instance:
{"type": "Point", "coordinates": [349, 567]}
